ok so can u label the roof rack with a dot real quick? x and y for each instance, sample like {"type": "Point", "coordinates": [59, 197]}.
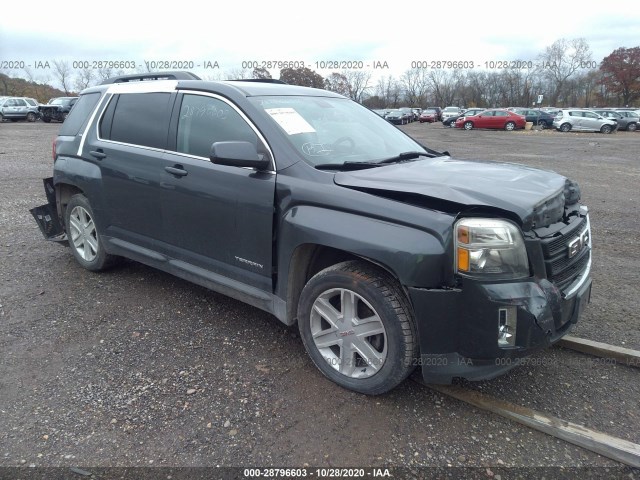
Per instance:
{"type": "Point", "coordinates": [143, 77]}
{"type": "Point", "coordinates": [258, 80]}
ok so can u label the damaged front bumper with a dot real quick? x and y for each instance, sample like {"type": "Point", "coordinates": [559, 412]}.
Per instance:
{"type": "Point", "coordinates": [483, 330]}
{"type": "Point", "coordinates": [46, 215]}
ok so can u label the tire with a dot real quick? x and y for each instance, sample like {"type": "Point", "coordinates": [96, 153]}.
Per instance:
{"type": "Point", "coordinates": [85, 241]}
{"type": "Point", "coordinates": [510, 126]}
{"type": "Point", "coordinates": [391, 349]}
{"type": "Point", "coordinates": [632, 127]}
{"type": "Point", "coordinates": [31, 117]}
{"type": "Point", "coordinates": [46, 119]}
{"type": "Point", "coordinates": [468, 125]}
{"type": "Point", "coordinates": [565, 127]}
{"type": "Point", "coordinates": [605, 129]}
{"type": "Point", "coordinates": [543, 124]}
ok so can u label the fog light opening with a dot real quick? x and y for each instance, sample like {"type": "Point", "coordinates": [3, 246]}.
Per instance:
{"type": "Point", "coordinates": [507, 322]}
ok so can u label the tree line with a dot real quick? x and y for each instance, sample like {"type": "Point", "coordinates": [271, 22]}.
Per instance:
{"type": "Point", "coordinates": [564, 73]}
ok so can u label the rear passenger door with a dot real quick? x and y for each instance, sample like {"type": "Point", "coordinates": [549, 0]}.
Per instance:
{"type": "Point", "coordinates": [127, 147]}
{"type": "Point", "coordinates": [216, 217]}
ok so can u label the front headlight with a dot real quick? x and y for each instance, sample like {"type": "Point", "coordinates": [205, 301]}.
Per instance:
{"type": "Point", "coordinates": [490, 249]}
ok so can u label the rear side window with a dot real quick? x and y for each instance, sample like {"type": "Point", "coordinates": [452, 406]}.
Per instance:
{"type": "Point", "coordinates": [138, 119]}
{"type": "Point", "coordinates": [79, 114]}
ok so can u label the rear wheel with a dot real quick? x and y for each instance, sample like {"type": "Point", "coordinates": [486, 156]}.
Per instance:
{"type": "Point", "coordinates": [605, 129]}
{"type": "Point", "coordinates": [632, 127]}
{"type": "Point", "coordinates": [357, 327]}
{"type": "Point", "coordinates": [468, 125]}
{"type": "Point", "coordinates": [565, 127]}
{"type": "Point", "coordinates": [542, 124]}
{"type": "Point", "coordinates": [31, 117]}
{"type": "Point", "coordinates": [509, 126]}
{"type": "Point", "coordinates": [83, 236]}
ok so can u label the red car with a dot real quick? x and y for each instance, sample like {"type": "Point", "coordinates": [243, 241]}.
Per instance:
{"type": "Point", "coordinates": [497, 118]}
{"type": "Point", "coordinates": [428, 116]}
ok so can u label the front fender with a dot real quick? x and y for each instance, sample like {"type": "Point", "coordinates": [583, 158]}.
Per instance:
{"type": "Point", "coordinates": [415, 257]}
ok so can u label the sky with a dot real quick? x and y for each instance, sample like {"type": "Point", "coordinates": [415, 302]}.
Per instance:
{"type": "Point", "coordinates": [217, 38]}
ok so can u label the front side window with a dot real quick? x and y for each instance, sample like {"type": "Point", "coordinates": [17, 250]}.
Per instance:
{"type": "Point", "coordinates": [205, 120]}
{"type": "Point", "coordinates": [501, 114]}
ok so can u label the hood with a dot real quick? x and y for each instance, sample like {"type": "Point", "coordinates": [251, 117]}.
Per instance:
{"type": "Point", "coordinates": [536, 197]}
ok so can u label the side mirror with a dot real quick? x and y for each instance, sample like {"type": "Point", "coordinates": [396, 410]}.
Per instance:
{"type": "Point", "coordinates": [238, 154]}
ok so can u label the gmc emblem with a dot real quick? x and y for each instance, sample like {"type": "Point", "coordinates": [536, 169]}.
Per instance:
{"type": "Point", "coordinates": [576, 245]}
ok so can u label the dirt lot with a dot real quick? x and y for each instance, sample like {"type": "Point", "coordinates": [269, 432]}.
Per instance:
{"type": "Point", "coordinates": [134, 367]}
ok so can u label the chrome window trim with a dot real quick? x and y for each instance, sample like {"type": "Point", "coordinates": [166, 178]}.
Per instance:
{"type": "Point", "coordinates": [102, 106]}
{"type": "Point", "coordinates": [111, 91]}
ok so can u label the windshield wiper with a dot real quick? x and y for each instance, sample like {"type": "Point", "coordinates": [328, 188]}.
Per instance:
{"type": "Point", "coordinates": [405, 156]}
{"type": "Point", "coordinates": [347, 166]}
{"type": "Point", "coordinates": [402, 157]}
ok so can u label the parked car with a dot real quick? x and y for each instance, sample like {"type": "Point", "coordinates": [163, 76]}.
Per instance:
{"type": "Point", "coordinates": [630, 118]}
{"type": "Point", "coordinates": [438, 111]}
{"type": "Point", "coordinates": [450, 112]}
{"type": "Point", "coordinates": [493, 118]}
{"type": "Point", "coordinates": [19, 108]}
{"type": "Point", "coordinates": [623, 122]}
{"type": "Point", "coordinates": [57, 109]}
{"type": "Point", "coordinates": [408, 114]}
{"type": "Point", "coordinates": [386, 254]}
{"type": "Point", "coordinates": [451, 121]}
{"type": "Point", "coordinates": [537, 117]}
{"type": "Point", "coordinates": [416, 113]}
{"type": "Point", "coordinates": [583, 121]}
{"type": "Point", "coordinates": [397, 117]}
{"type": "Point", "coordinates": [428, 116]}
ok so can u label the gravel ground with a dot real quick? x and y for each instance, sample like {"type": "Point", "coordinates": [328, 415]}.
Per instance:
{"type": "Point", "coordinates": [134, 367]}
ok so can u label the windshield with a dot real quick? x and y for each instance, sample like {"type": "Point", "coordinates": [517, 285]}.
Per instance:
{"type": "Point", "coordinates": [334, 130]}
{"type": "Point", "coordinates": [60, 101]}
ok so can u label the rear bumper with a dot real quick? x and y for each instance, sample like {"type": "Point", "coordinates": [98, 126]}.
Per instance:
{"type": "Point", "coordinates": [46, 216]}
{"type": "Point", "coordinates": [458, 330]}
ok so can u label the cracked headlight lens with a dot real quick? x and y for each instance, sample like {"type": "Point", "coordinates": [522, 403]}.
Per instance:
{"type": "Point", "coordinates": [490, 249]}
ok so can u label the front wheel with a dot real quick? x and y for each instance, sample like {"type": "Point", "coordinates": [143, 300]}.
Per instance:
{"type": "Point", "coordinates": [565, 127]}
{"type": "Point", "coordinates": [542, 124]}
{"type": "Point", "coordinates": [632, 127]}
{"type": "Point", "coordinates": [46, 119]}
{"type": "Point", "coordinates": [509, 126]}
{"type": "Point", "coordinates": [468, 125]}
{"type": "Point", "coordinates": [605, 129]}
{"type": "Point", "coordinates": [82, 233]}
{"type": "Point", "coordinates": [357, 326]}
{"type": "Point", "coordinates": [31, 117]}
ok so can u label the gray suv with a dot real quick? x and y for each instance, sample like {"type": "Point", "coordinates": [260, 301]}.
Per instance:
{"type": "Point", "coordinates": [387, 255]}
{"type": "Point", "coordinates": [19, 108]}
{"type": "Point", "coordinates": [580, 120]}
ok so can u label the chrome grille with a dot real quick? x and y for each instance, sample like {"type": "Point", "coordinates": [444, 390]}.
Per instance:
{"type": "Point", "coordinates": [561, 269]}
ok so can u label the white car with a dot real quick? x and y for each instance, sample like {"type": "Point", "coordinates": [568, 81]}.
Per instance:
{"type": "Point", "coordinates": [450, 112]}
{"type": "Point", "coordinates": [578, 120]}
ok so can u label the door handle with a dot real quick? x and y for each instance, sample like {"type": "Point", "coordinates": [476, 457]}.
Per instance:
{"type": "Point", "coordinates": [178, 171]}
{"type": "Point", "coordinates": [99, 154]}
